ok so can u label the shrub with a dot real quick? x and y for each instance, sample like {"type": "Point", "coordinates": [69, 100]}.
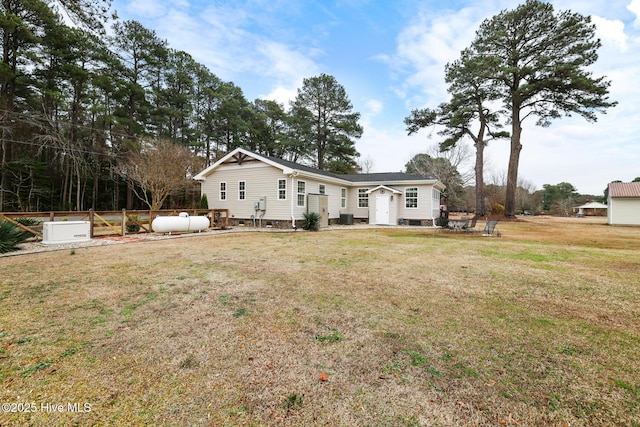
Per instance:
{"type": "Point", "coordinates": [442, 222]}
{"type": "Point", "coordinates": [311, 221]}
{"type": "Point", "coordinates": [204, 203]}
{"type": "Point", "coordinates": [497, 209]}
{"type": "Point", "coordinates": [11, 235]}
{"type": "Point", "coordinates": [133, 227]}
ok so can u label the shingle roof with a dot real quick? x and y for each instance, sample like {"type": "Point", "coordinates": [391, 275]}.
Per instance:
{"type": "Point", "coordinates": [624, 189]}
{"type": "Point", "coordinates": [355, 177]}
{"type": "Point", "coordinates": [301, 167]}
{"type": "Point", "coordinates": [389, 177]}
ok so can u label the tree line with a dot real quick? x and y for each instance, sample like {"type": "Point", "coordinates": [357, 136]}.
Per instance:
{"type": "Point", "coordinates": [78, 104]}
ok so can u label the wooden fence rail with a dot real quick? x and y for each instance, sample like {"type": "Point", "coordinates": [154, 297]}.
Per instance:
{"type": "Point", "coordinates": [103, 223]}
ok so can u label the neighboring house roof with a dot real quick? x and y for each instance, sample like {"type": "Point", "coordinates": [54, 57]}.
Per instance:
{"type": "Point", "coordinates": [240, 154]}
{"type": "Point", "coordinates": [593, 205]}
{"type": "Point", "coordinates": [624, 189]}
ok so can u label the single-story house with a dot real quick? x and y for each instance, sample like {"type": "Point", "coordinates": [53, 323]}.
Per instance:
{"type": "Point", "coordinates": [591, 209]}
{"type": "Point", "coordinates": [624, 203]}
{"type": "Point", "coordinates": [259, 190]}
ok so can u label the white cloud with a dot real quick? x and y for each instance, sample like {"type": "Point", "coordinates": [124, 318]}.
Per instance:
{"type": "Point", "coordinates": [634, 7]}
{"type": "Point", "coordinates": [611, 31]}
{"type": "Point", "coordinates": [222, 38]}
{"type": "Point", "coordinates": [390, 148]}
{"type": "Point", "coordinates": [147, 8]}
{"type": "Point", "coordinates": [282, 95]}
{"type": "Point", "coordinates": [425, 46]}
{"type": "Point", "coordinates": [374, 107]}
{"type": "Point", "coordinates": [283, 62]}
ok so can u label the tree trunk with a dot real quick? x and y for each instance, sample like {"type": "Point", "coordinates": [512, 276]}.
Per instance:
{"type": "Point", "coordinates": [130, 195]}
{"type": "Point", "coordinates": [480, 208]}
{"type": "Point", "coordinates": [3, 167]}
{"type": "Point", "coordinates": [94, 191]}
{"type": "Point", "coordinates": [514, 159]}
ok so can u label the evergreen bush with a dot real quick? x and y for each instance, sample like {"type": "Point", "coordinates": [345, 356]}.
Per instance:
{"type": "Point", "coordinates": [311, 221]}
{"type": "Point", "coordinates": [11, 235]}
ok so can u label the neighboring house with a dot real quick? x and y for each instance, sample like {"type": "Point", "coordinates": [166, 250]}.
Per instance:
{"type": "Point", "coordinates": [266, 191]}
{"type": "Point", "coordinates": [624, 203]}
{"type": "Point", "coordinates": [591, 209]}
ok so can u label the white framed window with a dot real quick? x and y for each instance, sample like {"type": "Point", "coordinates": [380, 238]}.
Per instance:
{"type": "Point", "coordinates": [411, 197]}
{"type": "Point", "coordinates": [435, 197]}
{"type": "Point", "coordinates": [343, 198]}
{"type": "Point", "coordinates": [322, 189]}
{"type": "Point", "coordinates": [242, 190]}
{"type": "Point", "coordinates": [223, 191]}
{"type": "Point", "coordinates": [282, 189]}
{"type": "Point", "coordinates": [363, 198]}
{"type": "Point", "coordinates": [302, 192]}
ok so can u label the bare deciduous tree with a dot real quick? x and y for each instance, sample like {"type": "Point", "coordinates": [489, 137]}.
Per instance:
{"type": "Point", "coordinates": [160, 168]}
{"type": "Point", "coordinates": [367, 164]}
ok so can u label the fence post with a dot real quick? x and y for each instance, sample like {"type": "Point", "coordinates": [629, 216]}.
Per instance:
{"type": "Point", "coordinates": [123, 223]}
{"type": "Point", "coordinates": [91, 223]}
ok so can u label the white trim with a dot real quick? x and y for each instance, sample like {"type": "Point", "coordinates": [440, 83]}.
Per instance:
{"type": "Point", "coordinates": [417, 197]}
{"type": "Point", "coordinates": [220, 191]}
{"type": "Point", "coordinates": [279, 189]}
{"type": "Point", "coordinates": [243, 191]}
{"type": "Point", "coordinates": [298, 193]}
{"type": "Point", "coordinates": [363, 192]}
{"type": "Point", "coordinates": [387, 188]}
{"type": "Point", "coordinates": [203, 174]}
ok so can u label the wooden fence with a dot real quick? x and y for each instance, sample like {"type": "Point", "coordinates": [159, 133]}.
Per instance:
{"type": "Point", "coordinates": [104, 223]}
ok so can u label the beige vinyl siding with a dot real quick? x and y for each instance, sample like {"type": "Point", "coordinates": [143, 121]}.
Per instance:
{"type": "Point", "coordinates": [260, 180]}
{"type": "Point", "coordinates": [352, 202]}
{"type": "Point", "coordinates": [334, 193]}
{"type": "Point", "coordinates": [331, 190]}
{"type": "Point", "coordinates": [624, 211]}
{"type": "Point", "coordinates": [424, 209]}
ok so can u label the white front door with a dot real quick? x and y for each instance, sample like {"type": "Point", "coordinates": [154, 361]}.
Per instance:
{"type": "Point", "coordinates": [382, 209]}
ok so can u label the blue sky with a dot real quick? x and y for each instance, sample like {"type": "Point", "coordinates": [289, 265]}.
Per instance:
{"type": "Point", "coordinates": [390, 57]}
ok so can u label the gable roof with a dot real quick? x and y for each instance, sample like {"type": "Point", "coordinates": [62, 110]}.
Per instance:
{"type": "Point", "coordinates": [384, 187]}
{"type": "Point", "coordinates": [624, 189]}
{"type": "Point", "coordinates": [593, 205]}
{"type": "Point", "coordinates": [240, 155]}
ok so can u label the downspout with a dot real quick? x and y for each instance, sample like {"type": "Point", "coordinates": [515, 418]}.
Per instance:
{"type": "Point", "coordinates": [293, 218]}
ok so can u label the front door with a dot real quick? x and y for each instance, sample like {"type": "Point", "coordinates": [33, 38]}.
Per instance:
{"type": "Point", "coordinates": [382, 209]}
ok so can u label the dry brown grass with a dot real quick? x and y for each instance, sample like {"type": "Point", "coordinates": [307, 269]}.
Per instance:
{"type": "Point", "coordinates": [384, 327]}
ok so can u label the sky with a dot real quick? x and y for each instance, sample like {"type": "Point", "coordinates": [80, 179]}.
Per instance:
{"type": "Point", "coordinates": [390, 57]}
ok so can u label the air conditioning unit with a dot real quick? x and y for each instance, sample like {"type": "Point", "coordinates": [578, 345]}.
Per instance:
{"type": "Point", "coordinates": [346, 219]}
{"type": "Point", "coordinates": [57, 232]}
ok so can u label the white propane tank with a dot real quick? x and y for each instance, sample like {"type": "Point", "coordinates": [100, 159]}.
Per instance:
{"type": "Point", "coordinates": [182, 222]}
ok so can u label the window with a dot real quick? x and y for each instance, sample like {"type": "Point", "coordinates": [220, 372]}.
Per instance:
{"type": "Point", "coordinates": [435, 197]}
{"type": "Point", "coordinates": [282, 189]}
{"type": "Point", "coordinates": [223, 191]}
{"type": "Point", "coordinates": [343, 198]}
{"type": "Point", "coordinates": [302, 190]}
{"type": "Point", "coordinates": [242, 187]}
{"type": "Point", "coordinates": [411, 197]}
{"type": "Point", "coordinates": [363, 198]}
{"type": "Point", "coordinates": [321, 189]}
